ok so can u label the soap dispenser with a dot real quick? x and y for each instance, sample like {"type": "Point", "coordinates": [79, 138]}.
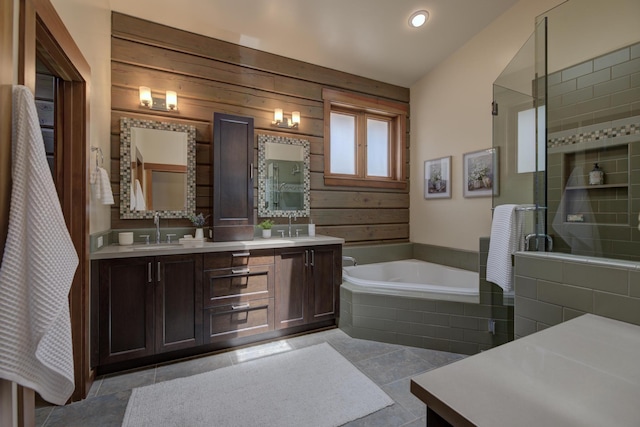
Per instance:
{"type": "Point", "coordinates": [596, 176]}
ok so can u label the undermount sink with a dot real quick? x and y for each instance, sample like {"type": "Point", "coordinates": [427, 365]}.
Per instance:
{"type": "Point", "coordinates": [156, 247]}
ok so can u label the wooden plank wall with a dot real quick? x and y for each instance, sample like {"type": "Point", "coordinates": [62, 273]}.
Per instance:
{"type": "Point", "coordinates": [212, 75]}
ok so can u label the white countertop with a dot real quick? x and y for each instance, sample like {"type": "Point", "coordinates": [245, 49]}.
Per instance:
{"type": "Point", "coordinates": [583, 372]}
{"type": "Point", "coordinates": [139, 250]}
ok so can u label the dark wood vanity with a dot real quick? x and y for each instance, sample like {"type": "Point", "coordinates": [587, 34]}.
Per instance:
{"type": "Point", "coordinates": [148, 309]}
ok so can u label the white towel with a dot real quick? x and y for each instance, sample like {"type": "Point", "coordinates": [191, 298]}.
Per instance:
{"type": "Point", "coordinates": [37, 269]}
{"type": "Point", "coordinates": [507, 230]}
{"type": "Point", "coordinates": [140, 204]}
{"type": "Point", "coordinates": [101, 186]}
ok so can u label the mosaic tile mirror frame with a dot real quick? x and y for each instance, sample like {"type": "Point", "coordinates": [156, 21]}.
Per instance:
{"type": "Point", "coordinates": [283, 176]}
{"type": "Point", "coordinates": [128, 209]}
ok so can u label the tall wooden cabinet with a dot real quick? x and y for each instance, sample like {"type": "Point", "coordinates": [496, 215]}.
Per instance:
{"type": "Point", "coordinates": [233, 142]}
{"type": "Point", "coordinates": [148, 305]}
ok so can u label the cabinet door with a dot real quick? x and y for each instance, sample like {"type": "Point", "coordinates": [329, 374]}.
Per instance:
{"type": "Point", "coordinates": [232, 177]}
{"type": "Point", "coordinates": [325, 272]}
{"type": "Point", "coordinates": [291, 287]}
{"type": "Point", "coordinates": [125, 309]}
{"type": "Point", "coordinates": [178, 298]}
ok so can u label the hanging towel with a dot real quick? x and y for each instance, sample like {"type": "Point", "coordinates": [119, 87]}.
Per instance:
{"type": "Point", "coordinates": [507, 231]}
{"type": "Point", "coordinates": [101, 186]}
{"type": "Point", "coordinates": [140, 205]}
{"type": "Point", "coordinates": [38, 266]}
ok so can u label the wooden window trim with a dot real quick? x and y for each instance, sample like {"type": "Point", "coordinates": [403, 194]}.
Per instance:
{"type": "Point", "coordinates": [335, 100]}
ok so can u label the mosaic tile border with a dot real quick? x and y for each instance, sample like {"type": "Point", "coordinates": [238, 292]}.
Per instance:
{"type": "Point", "coordinates": [263, 211]}
{"type": "Point", "coordinates": [125, 167]}
{"type": "Point", "coordinates": [596, 135]}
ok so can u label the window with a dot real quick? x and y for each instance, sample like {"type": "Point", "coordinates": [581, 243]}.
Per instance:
{"type": "Point", "coordinates": [527, 146]}
{"type": "Point", "coordinates": [364, 141]}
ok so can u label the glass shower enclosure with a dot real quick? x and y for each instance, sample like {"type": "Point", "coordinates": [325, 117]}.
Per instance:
{"type": "Point", "coordinates": [566, 126]}
{"type": "Point", "coordinates": [519, 135]}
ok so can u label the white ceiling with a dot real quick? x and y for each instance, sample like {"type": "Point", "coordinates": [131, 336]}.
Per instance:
{"type": "Point", "coordinates": [370, 38]}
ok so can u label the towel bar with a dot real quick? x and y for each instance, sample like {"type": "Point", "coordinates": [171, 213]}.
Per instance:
{"type": "Point", "coordinates": [99, 151]}
{"type": "Point", "coordinates": [528, 208]}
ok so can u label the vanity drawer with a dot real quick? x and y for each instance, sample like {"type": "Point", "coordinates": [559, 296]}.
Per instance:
{"type": "Point", "coordinates": [238, 258]}
{"type": "Point", "coordinates": [239, 284]}
{"type": "Point", "coordinates": [238, 320]}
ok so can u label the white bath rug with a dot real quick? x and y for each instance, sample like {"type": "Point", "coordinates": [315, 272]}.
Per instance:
{"type": "Point", "coordinates": [313, 386]}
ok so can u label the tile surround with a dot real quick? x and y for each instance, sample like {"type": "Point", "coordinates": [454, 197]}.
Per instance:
{"type": "Point", "coordinates": [431, 324]}
{"type": "Point", "coordinates": [551, 288]}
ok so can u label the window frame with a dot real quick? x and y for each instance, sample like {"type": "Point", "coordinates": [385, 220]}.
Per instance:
{"type": "Point", "coordinates": [364, 107]}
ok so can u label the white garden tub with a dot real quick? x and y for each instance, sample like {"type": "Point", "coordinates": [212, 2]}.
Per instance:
{"type": "Point", "coordinates": [413, 278]}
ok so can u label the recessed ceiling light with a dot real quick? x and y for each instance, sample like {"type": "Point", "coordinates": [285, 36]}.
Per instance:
{"type": "Point", "coordinates": [418, 18]}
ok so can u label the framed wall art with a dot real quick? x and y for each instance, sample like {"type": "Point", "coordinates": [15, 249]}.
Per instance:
{"type": "Point", "coordinates": [437, 178]}
{"type": "Point", "coordinates": [480, 169]}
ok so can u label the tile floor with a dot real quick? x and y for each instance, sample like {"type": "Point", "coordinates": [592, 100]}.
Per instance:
{"type": "Point", "coordinates": [388, 365]}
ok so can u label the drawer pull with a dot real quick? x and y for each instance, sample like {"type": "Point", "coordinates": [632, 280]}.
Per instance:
{"type": "Point", "coordinates": [241, 307]}
{"type": "Point", "coordinates": [240, 254]}
{"type": "Point", "coordinates": [241, 271]}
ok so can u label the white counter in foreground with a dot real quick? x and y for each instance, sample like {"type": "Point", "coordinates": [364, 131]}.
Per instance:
{"type": "Point", "coordinates": [583, 372]}
{"type": "Point", "coordinates": [138, 250]}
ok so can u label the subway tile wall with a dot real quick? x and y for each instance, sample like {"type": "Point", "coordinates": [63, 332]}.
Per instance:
{"type": "Point", "coordinates": [599, 90]}
{"type": "Point", "coordinates": [594, 117]}
{"type": "Point", "coordinates": [551, 288]}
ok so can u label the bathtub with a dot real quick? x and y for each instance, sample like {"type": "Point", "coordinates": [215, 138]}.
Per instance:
{"type": "Point", "coordinates": [413, 278]}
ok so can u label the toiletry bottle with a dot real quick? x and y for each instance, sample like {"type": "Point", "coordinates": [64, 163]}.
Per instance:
{"type": "Point", "coordinates": [312, 228]}
{"type": "Point", "coordinates": [596, 176]}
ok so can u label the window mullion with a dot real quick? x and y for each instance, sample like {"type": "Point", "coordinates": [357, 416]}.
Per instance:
{"type": "Point", "coordinates": [362, 146]}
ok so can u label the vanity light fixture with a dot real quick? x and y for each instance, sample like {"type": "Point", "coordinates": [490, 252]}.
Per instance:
{"type": "Point", "coordinates": [282, 122]}
{"type": "Point", "coordinates": [168, 103]}
{"type": "Point", "coordinates": [418, 19]}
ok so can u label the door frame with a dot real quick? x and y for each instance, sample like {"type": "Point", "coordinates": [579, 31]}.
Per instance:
{"type": "Point", "coordinates": [42, 32]}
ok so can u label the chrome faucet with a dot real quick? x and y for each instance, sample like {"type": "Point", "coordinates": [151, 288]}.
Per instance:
{"type": "Point", "coordinates": [295, 218]}
{"type": "Point", "coordinates": [156, 221]}
{"type": "Point", "coordinates": [351, 259]}
{"type": "Point", "coordinates": [527, 241]}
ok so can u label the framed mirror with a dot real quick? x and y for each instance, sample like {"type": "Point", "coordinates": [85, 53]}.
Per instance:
{"type": "Point", "coordinates": [283, 176]}
{"type": "Point", "coordinates": [157, 169]}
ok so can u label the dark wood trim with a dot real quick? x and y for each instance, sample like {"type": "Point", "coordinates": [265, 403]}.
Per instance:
{"type": "Point", "coordinates": [362, 105]}
{"type": "Point", "coordinates": [6, 81]}
{"type": "Point", "coordinates": [162, 167]}
{"type": "Point", "coordinates": [7, 62]}
{"type": "Point", "coordinates": [58, 50]}
{"type": "Point", "coordinates": [66, 46]}
{"type": "Point", "coordinates": [366, 183]}
{"type": "Point", "coordinates": [374, 104]}
{"type": "Point", "coordinates": [442, 414]}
